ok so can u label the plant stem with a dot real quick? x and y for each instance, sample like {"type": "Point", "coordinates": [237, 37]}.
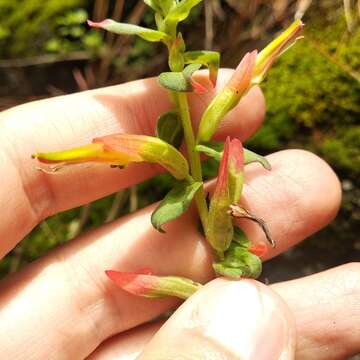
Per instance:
{"type": "Point", "coordinates": [194, 157]}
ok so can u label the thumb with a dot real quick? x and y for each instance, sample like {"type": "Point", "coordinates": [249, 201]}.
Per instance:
{"type": "Point", "coordinates": [227, 320]}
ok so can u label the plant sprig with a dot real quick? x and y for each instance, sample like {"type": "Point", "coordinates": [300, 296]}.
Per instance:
{"type": "Point", "coordinates": [234, 255]}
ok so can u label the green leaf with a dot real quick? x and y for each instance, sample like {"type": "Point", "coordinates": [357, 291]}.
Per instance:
{"type": "Point", "coordinates": [175, 203]}
{"type": "Point", "coordinates": [180, 12]}
{"type": "Point", "coordinates": [154, 4]}
{"type": "Point", "coordinates": [209, 151]}
{"type": "Point", "coordinates": [130, 29]}
{"type": "Point", "coordinates": [169, 128]}
{"type": "Point", "coordinates": [179, 81]}
{"type": "Point", "coordinates": [175, 81]}
{"type": "Point", "coordinates": [210, 59]}
{"type": "Point", "coordinates": [215, 149]}
{"type": "Point", "coordinates": [238, 262]}
{"type": "Point", "coordinates": [241, 238]}
{"type": "Point", "coordinates": [190, 69]}
{"type": "Point", "coordinates": [162, 6]}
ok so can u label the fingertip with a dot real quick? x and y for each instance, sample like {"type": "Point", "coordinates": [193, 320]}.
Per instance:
{"type": "Point", "coordinates": [302, 188]}
{"type": "Point", "coordinates": [232, 319]}
{"type": "Point", "coordinates": [321, 187]}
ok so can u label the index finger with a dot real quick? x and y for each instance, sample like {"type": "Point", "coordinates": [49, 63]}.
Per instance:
{"type": "Point", "coordinates": [67, 121]}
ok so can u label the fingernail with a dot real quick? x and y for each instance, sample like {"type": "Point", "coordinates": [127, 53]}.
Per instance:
{"type": "Point", "coordinates": [246, 321]}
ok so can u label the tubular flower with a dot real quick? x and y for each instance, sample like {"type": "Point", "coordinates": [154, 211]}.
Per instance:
{"type": "Point", "coordinates": [271, 52]}
{"type": "Point", "coordinates": [236, 169]}
{"type": "Point", "coordinates": [151, 286]}
{"type": "Point", "coordinates": [228, 98]}
{"type": "Point", "coordinates": [120, 150]}
{"type": "Point", "coordinates": [220, 229]}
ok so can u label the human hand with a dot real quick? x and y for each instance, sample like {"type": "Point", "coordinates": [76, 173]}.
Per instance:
{"type": "Point", "coordinates": [63, 307]}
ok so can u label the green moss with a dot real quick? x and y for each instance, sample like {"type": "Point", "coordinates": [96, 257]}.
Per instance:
{"type": "Point", "coordinates": [344, 149]}
{"type": "Point", "coordinates": [29, 23]}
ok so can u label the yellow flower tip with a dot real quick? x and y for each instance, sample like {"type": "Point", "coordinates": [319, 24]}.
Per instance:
{"type": "Point", "coordinates": [87, 153]}
{"type": "Point", "coordinates": [273, 50]}
{"type": "Point", "coordinates": [120, 150]}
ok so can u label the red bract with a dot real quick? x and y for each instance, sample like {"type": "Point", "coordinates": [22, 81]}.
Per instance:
{"type": "Point", "coordinates": [99, 25]}
{"type": "Point", "coordinates": [259, 249]}
{"type": "Point", "coordinates": [135, 283]}
{"type": "Point", "coordinates": [220, 229]}
{"type": "Point", "coordinates": [236, 169]}
{"type": "Point", "coordinates": [221, 188]}
{"type": "Point", "coordinates": [241, 79]}
{"type": "Point", "coordinates": [236, 156]}
{"type": "Point", "coordinates": [198, 88]}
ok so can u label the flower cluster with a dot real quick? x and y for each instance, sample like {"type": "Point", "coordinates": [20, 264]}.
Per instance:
{"type": "Point", "coordinates": [234, 255]}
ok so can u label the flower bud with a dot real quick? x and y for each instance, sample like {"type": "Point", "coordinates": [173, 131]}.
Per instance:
{"type": "Point", "coordinates": [120, 150]}
{"type": "Point", "coordinates": [130, 29]}
{"type": "Point", "coordinates": [220, 230]}
{"type": "Point", "coordinates": [228, 98]}
{"type": "Point", "coordinates": [271, 52]}
{"type": "Point", "coordinates": [151, 286]}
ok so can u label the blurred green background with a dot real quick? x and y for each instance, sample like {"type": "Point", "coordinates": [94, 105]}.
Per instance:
{"type": "Point", "coordinates": [312, 94]}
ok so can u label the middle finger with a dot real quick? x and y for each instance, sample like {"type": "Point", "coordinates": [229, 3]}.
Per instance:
{"type": "Point", "coordinates": [75, 308]}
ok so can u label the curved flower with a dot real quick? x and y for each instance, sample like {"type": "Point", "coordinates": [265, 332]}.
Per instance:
{"type": "Point", "coordinates": [147, 285]}
{"type": "Point", "coordinates": [120, 150]}
{"type": "Point", "coordinates": [271, 52]}
{"type": "Point", "coordinates": [228, 98]}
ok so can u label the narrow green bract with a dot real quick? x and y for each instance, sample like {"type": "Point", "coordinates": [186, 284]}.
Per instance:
{"type": "Point", "coordinates": [215, 149]}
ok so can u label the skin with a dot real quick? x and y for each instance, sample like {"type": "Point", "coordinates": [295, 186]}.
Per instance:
{"type": "Point", "coordinates": [63, 307]}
